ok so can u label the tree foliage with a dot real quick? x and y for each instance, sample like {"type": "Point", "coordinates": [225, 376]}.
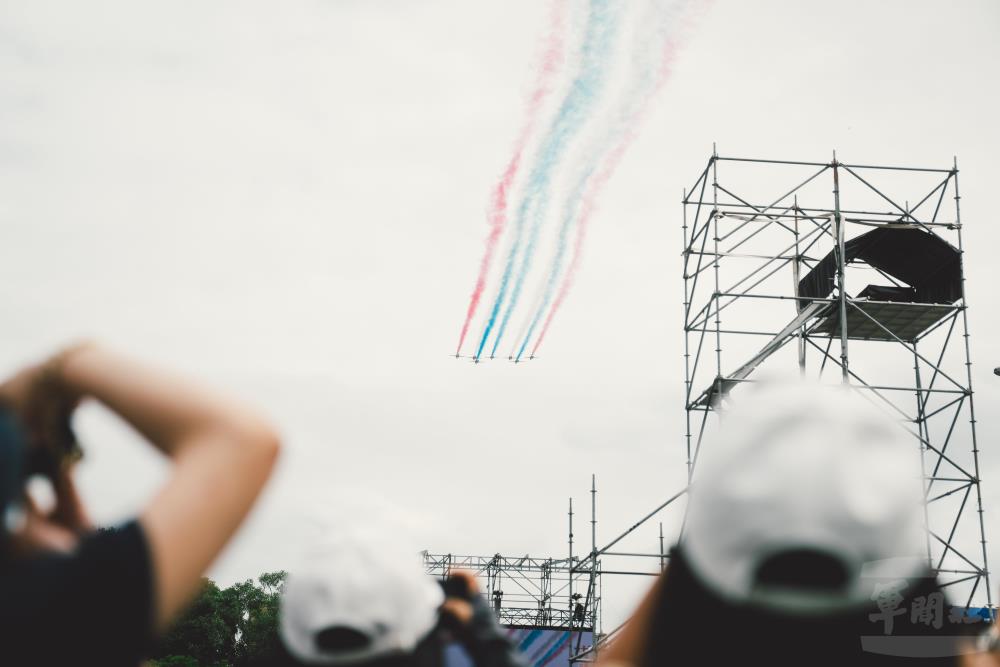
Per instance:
{"type": "Point", "coordinates": [229, 627]}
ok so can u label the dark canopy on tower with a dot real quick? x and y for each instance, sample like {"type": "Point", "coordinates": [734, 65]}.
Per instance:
{"type": "Point", "coordinates": [931, 266]}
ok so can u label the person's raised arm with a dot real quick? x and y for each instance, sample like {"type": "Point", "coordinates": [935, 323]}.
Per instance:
{"type": "Point", "coordinates": [222, 453]}
{"type": "Point", "coordinates": [629, 647]}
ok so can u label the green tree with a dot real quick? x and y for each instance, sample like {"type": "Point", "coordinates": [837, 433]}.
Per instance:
{"type": "Point", "coordinates": [273, 582]}
{"type": "Point", "coordinates": [226, 627]}
{"type": "Point", "coordinates": [175, 661]}
{"type": "Point", "coordinates": [201, 633]}
{"type": "Point", "coordinates": [252, 608]}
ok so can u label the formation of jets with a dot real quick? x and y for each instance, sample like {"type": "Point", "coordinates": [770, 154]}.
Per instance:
{"type": "Point", "coordinates": [475, 359]}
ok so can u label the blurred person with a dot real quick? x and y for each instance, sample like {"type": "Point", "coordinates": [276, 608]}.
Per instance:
{"type": "Point", "coordinates": [73, 595]}
{"type": "Point", "coordinates": [361, 599]}
{"type": "Point", "coordinates": [804, 544]}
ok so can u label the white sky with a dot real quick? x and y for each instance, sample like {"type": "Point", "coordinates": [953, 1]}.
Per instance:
{"type": "Point", "coordinates": [287, 200]}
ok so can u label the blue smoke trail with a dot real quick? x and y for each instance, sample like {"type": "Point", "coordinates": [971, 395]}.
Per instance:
{"type": "Point", "coordinates": [597, 41]}
{"type": "Point", "coordinates": [646, 57]}
{"type": "Point", "coordinates": [569, 215]}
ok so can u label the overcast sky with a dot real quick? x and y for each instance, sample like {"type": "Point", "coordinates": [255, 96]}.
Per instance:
{"type": "Point", "coordinates": [287, 200]}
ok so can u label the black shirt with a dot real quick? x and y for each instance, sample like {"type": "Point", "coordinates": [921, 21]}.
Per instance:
{"type": "Point", "coordinates": [90, 607]}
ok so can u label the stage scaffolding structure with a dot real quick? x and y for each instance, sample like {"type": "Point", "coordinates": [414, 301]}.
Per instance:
{"type": "Point", "coordinates": [525, 592]}
{"type": "Point", "coordinates": [540, 593]}
{"type": "Point", "coordinates": [556, 594]}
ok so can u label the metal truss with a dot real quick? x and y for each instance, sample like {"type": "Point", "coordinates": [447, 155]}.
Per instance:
{"type": "Point", "coordinates": [526, 591]}
{"type": "Point", "coordinates": [542, 593]}
{"type": "Point", "coordinates": [744, 255]}
{"type": "Point", "coordinates": [747, 244]}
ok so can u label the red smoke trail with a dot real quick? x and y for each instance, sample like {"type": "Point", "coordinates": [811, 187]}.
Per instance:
{"type": "Point", "coordinates": [497, 214]}
{"type": "Point", "coordinates": [589, 200]}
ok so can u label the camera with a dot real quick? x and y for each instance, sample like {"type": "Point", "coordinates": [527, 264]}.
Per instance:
{"type": "Point", "coordinates": [21, 459]}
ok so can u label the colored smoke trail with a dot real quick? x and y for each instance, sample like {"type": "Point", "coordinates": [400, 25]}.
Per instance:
{"type": "Point", "coordinates": [577, 196]}
{"type": "Point", "coordinates": [526, 325]}
{"type": "Point", "coordinates": [587, 189]}
{"type": "Point", "coordinates": [598, 36]}
{"type": "Point", "coordinates": [497, 215]}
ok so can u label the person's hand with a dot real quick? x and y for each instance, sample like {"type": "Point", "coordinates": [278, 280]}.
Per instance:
{"type": "Point", "coordinates": [44, 405]}
{"type": "Point", "coordinates": [41, 532]}
{"type": "Point", "coordinates": [461, 588]}
{"type": "Point", "coordinates": [458, 612]}
{"type": "Point", "coordinates": [56, 528]}
{"type": "Point", "coordinates": [465, 580]}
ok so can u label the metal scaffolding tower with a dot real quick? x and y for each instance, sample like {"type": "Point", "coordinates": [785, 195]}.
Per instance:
{"type": "Point", "coordinates": [785, 261]}
{"type": "Point", "coordinates": [845, 273]}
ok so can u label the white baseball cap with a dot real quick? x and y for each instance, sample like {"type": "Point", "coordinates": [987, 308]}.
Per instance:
{"type": "Point", "coordinates": [807, 499]}
{"type": "Point", "coordinates": [356, 597]}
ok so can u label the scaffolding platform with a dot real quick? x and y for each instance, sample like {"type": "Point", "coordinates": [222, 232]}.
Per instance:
{"type": "Point", "coordinates": [527, 592]}
{"type": "Point", "coordinates": [883, 320]}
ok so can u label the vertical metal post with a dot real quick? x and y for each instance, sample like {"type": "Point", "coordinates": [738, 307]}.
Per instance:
{"type": "Point", "coordinates": [593, 515]}
{"type": "Point", "coordinates": [924, 433]}
{"type": "Point", "coordinates": [715, 241]}
{"type": "Point", "coordinates": [492, 576]}
{"type": "Point", "coordinates": [795, 290]}
{"type": "Point", "coordinates": [598, 623]}
{"type": "Point", "coordinates": [663, 558]}
{"type": "Point", "coordinates": [972, 409]}
{"type": "Point", "coordinates": [545, 597]}
{"type": "Point", "coordinates": [593, 560]}
{"type": "Point", "coordinates": [571, 572]}
{"type": "Point", "coordinates": [687, 335]}
{"type": "Point", "coordinates": [841, 266]}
